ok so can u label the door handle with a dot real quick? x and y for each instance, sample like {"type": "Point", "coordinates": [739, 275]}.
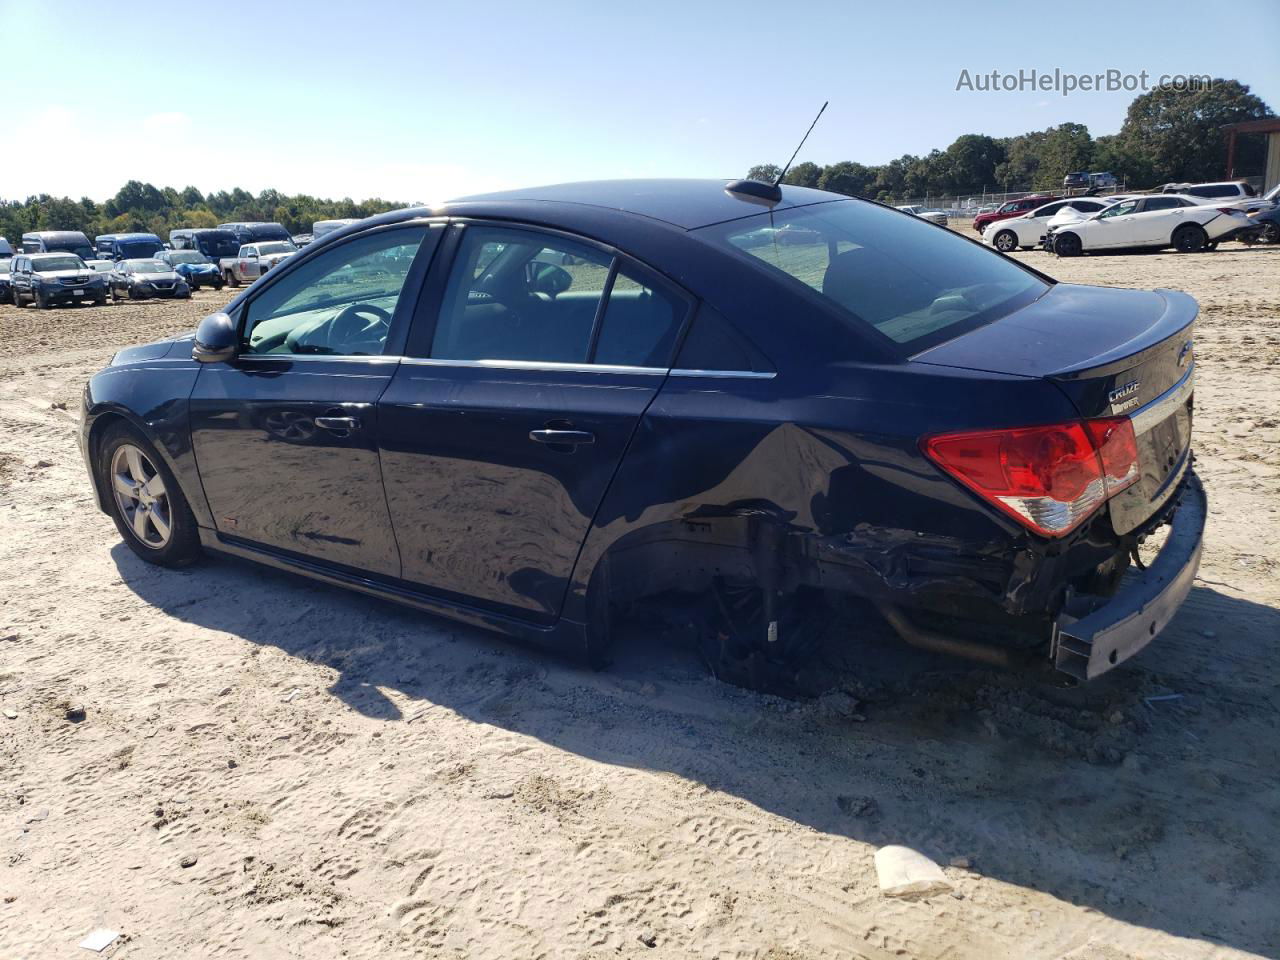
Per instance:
{"type": "Point", "coordinates": [562, 437]}
{"type": "Point", "coordinates": [338, 424]}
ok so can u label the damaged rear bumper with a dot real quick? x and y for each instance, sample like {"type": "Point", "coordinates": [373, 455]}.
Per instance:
{"type": "Point", "coordinates": [1088, 645]}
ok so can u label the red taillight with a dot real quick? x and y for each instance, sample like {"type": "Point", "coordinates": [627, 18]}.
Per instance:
{"type": "Point", "coordinates": [1048, 478]}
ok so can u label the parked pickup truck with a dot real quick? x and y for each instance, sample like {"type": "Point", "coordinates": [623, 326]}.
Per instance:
{"type": "Point", "coordinates": [253, 260]}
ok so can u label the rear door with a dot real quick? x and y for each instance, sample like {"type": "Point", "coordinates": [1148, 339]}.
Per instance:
{"type": "Point", "coordinates": [1157, 219]}
{"type": "Point", "coordinates": [502, 429]}
{"type": "Point", "coordinates": [286, 435]}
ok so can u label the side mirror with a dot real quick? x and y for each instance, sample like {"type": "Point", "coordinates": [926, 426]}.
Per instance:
{"type": "Point", "coordinates": [217, 339]}
{"type": "Point", "coordinates": [549, 279]}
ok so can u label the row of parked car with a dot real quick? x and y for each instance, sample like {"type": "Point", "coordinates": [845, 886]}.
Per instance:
{"type": "Point", "coordinates": [1186, 217]}
{"type": "Point", "coordinates": [53, 267]}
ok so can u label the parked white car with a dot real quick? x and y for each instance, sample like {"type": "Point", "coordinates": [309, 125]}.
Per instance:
{"type": "Point", "coordinates": [1225, 193]}
{"type": "Point", "coordinates": [933, 216]}
{"type": "Point", "coordinates": [1029, 230]}
{"type": "Point", "coordinates": [1161, 220]}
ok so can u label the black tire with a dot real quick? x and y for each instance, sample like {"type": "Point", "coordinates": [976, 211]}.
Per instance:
{"type": "Point", "coordinates": [41, 302]}
{"type": "Point", "coordinates": [230, 278]}
{"type": "Point", "coordinates": [1067, 245]}
{"type": "Point", "coordinates": [1189, 238]}
{"type": "Point", "coordinates": [1270, 232]}
{"type": "Point", "coordinates": [1006, 241]}
{"type": "Point", "coordinates": [183, 544]}
{"type": "Point", "coordinates": [218, 285]}
{"type": "Point", "coordinates": [100, 301]}
{"type": "Point", "coordinates": [16, 297]}
{"type": "Point", "coordinates": [115, 295]}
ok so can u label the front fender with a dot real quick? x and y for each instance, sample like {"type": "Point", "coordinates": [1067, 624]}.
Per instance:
{"type": "Point", "coordinates": [152, 394]}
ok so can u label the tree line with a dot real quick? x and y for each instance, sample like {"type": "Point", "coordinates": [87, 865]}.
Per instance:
{"type": "Point", "coordinates": [1167, 136]}
{"type": "Point", "coordinates": [144, 208]}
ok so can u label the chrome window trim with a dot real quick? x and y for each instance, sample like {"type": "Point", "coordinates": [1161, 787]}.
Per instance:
{"type": "Point", "coordinates": [1165, 405]}
{"type": "Point", "coordinates": [547, 365]}
{"type": "Point", "coordinates": [725, 374]}
{"type": "Point", "coordinates": [388, 359]}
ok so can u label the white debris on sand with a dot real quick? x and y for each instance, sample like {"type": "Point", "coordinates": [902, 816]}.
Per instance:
{"type": "Point", "coordinates": [904, 872]}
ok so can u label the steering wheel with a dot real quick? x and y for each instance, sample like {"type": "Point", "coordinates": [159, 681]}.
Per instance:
{"type": "Point", "coordinates": [359, 323]}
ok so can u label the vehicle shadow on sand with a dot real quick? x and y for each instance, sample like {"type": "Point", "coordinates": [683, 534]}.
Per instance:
{"type": "Point", "coordinates": [1152, 795]}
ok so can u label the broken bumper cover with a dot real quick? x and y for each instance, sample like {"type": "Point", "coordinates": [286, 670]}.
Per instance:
{"type": "Point", "coordinates": [1145, 603]}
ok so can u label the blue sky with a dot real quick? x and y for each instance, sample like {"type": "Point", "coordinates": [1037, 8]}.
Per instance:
{"type": "Point", "coordinates": [418, 101]}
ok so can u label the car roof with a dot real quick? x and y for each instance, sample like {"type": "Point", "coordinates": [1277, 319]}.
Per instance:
{"type": "Point", "coordinates": [687, 204]}
{"type": "Point", "coordinates": [127, 236]}
{"type": "Point", "coordinates": [46, 254]}
{"type": "Point", "coordinates": [142, 260]}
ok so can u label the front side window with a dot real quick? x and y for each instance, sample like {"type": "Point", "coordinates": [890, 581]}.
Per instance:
{"type": "Point", "coordinates": [516, 294]}
{"type": "Point", "coordinates": [340, 303]}
{"type": "Point", "coordinates": [1119, 210]}
{"type": "Point", "coordinates": [896, 275]}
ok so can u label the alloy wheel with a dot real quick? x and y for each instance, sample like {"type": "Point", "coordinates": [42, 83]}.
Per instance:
{"type": "Point", "coordinates": [141, 496]}
{"type": "Point", "coordinates": [1006, 241]}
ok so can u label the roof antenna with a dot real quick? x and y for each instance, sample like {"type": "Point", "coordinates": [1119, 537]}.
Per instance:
{"type": "Point", "coordinates": [772, 192]}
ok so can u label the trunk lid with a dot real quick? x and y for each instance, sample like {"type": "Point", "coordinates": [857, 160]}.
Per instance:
{"type": "Point", "coordinates": [1113, 352]}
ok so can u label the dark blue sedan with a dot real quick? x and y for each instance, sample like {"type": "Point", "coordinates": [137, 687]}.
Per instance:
{"type": "Point", "coordinates": [736, 409]}
{"type": "Point", "coordinates": [193, 267]}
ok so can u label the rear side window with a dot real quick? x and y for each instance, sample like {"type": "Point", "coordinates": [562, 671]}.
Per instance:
{"type": "Point", "coordinates": [713, 344]}
{"type": "Point", "coordinates": [640, 324]}
{"type": "Point", "coordinates": [1161, 203]}
{"type": "Point", "coordinates": [897, 275]}
{"type": "Point", "coordinates": [518, 294]}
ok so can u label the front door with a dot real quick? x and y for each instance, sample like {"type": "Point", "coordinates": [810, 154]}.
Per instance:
{"type": "Point", "coordinates": [286, 435]}
{"type": "Point", "coordinates": [500, 437]}
{"type": "Point", "coordinates": [1115, 226]}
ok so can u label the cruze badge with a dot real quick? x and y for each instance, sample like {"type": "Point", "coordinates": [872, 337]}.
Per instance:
{"type": "Point", "coordinates": [1124, 397]}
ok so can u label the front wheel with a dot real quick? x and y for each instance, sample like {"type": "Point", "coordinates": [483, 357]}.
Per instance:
{"type": "Point", "coordinates": [41, 302]}
{"type": "Point", "coordinates": [1067, 245]}
{"type": "Point", "coordinates": [15, 296]}
{"type": "Point", "coordinates": [145, 500]}
{"type": "Point", "coordinates": [1190, 238]}
{"type": "Point", "coordinates": [1006, 241]}
{"type": "Point", "coordinates": [1270, 232]}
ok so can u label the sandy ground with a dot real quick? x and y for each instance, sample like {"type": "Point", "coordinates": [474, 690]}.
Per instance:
{"type": "Point", "coordinates": [356, 780]}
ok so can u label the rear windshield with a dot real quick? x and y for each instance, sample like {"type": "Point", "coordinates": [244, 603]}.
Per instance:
{"type": "Point", "coordinates": [72, 244]}
{"type": "Point", "coordinates": [148, 266]}
{"type": "Point", "coordinates": [220, 244]}
{"type": "Point", "coordinates": [277, 248]}
{"type": "Point", "coordinates": [137, 249]}
{"type": "Point", "coordinates": [268, 231]}
{"type": "Point", "coordinates": [903, 277]}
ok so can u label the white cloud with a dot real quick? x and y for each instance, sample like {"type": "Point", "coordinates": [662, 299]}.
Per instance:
{"type": "Point", "coordinates": [76, 153]}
